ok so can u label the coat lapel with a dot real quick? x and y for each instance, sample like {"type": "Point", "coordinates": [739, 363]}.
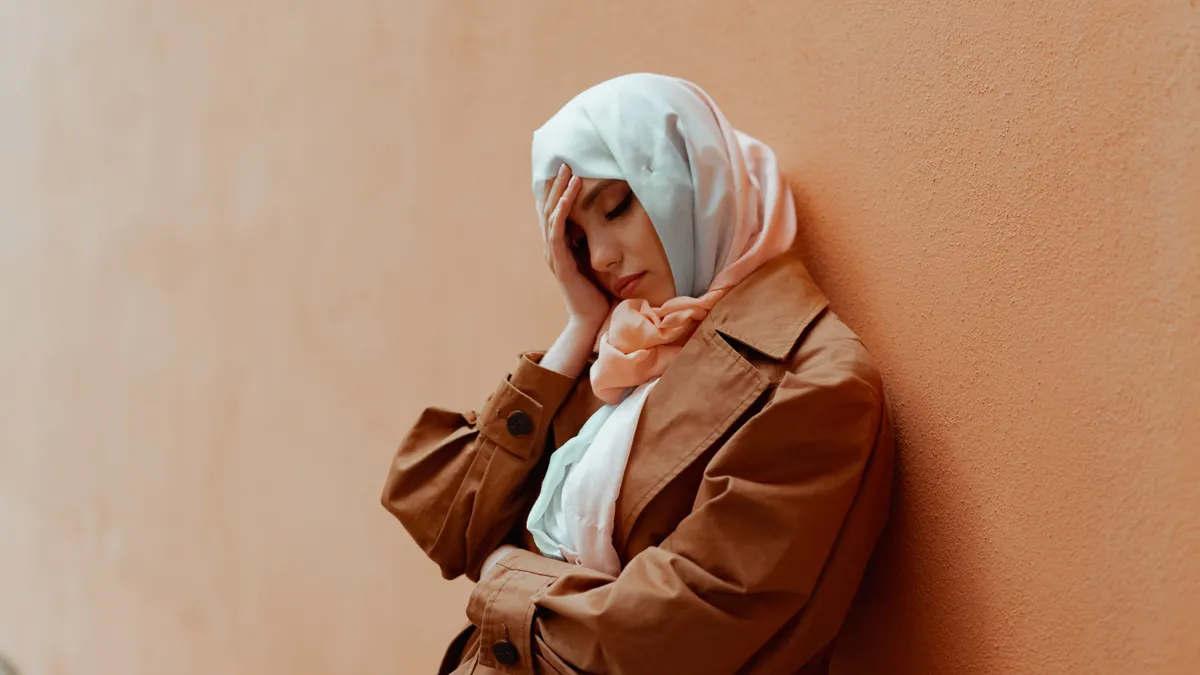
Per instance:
{"type": "Point", "coordinates": [675, 427]}
{"type": "Point", "coordinates": [710, 385]}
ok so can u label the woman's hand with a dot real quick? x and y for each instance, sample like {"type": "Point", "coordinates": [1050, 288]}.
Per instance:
{"type": "Point", "coordinates": [490, 561]}
{"type": "Point", "coordinates": [587, 305]}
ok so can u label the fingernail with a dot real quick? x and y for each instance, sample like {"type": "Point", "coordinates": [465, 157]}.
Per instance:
{"type": "Point", "coordinates": [562, 169]}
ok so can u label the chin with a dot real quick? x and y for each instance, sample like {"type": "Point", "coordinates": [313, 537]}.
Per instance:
{"type": "Point", "coordinates": [657, 297]}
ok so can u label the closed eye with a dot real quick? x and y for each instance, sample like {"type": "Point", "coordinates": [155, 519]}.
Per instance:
{"type": "Point", "coordinates": [620, 208]}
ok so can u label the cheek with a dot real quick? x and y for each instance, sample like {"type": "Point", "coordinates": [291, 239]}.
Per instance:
{"type": "Point", "coordinates": [651, 248]}
{"type": "Point", "coordinates": [665, 288]}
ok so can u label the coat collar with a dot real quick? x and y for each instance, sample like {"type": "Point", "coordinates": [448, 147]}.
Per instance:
{"type": "Point", "coordinates": [710, 385]}
{"type": "Point", "coordinates": [771, 307]}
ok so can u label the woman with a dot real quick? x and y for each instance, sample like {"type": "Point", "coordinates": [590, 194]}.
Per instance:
{"type": "Point", "coordinates": [691, 479]}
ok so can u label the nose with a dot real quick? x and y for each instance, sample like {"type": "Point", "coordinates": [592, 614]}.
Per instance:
{"type": "Point", "coordinates": [604, 254]}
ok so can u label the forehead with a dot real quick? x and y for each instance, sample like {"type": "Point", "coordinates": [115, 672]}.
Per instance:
{"type": "Point", "coordinates": [592, 188]}
{"type": "Point", "coordinates": [588, 183]}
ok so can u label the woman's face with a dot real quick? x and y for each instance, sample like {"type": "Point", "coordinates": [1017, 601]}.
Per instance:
{"type": "Point", "coordinates": [613, 238]}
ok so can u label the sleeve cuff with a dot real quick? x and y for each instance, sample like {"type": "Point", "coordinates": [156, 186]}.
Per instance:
{"type": "Point", "coordinates": [543, 384]}
{"type": "Point", "coordinates": [502, 606]}
{"type": "Point", "coordinates": [518, 413]}
{"type": "Point", "coordinates": [522, 560]}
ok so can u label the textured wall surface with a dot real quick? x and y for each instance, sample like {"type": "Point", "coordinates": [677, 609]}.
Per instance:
{"type": "Point", "coordinates": [242, 244]}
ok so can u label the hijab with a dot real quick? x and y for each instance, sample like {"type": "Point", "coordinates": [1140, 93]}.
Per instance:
{"type": "Point", "coordinates": [721, 208]}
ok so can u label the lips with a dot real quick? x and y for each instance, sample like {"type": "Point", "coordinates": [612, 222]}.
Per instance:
{"type": "Point", "coordinates": [626, 283]}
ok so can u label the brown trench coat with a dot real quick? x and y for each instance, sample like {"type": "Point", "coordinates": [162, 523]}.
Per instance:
{"type": "Point", "coordinates": [757, 486]}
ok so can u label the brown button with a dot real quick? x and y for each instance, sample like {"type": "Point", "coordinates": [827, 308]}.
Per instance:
{"type": "Point", "coordinates": [519, 423]}
{"type": "Point", "coordinates": [505, 652]}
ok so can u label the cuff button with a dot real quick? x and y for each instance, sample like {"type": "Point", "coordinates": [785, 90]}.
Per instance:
{"type": "Point", "coordinates": [519, 423]}
{"type": "Point", "coordinates": [505, 652]}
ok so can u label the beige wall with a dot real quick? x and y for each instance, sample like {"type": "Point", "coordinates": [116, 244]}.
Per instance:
{"type": "Point", "coordinates": [241, 244]}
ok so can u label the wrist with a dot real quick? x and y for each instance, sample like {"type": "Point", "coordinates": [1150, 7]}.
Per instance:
{"type": "Point", "coordinates": [569, 353]}
{"type": "Point", "coordinates": [584, 328]}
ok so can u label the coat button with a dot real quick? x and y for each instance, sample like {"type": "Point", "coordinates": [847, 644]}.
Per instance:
{"type": "Point", "coordinates": [519, 423]}
{"type": "Point", "coordinates": [505, 652]}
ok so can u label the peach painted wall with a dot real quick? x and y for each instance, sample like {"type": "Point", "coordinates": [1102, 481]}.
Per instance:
{"type": "Point", "coordinates": [242, 243]}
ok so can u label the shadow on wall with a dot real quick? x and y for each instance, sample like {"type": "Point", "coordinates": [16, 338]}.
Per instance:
{"type": "Point", "coordinates": [920, 570]}
{"type": "Point", "coordinates": [7, 667]}
{"type": "Point", "coordinates": [918, 574]}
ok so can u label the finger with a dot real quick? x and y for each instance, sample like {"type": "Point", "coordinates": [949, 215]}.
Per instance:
{"type": "Point", "coordinates": [543, 221]}
{"type": "Point", "coordinates": [546, 207]}
{"type": "Point", "coordinates": [546, 190]}
{"type": "Point", "coordinates": [549, 198]}
{"type": "Point", "coordinates": [550, 183]}
{"type": "Point", "coordinates": [563, 207]}
{"type": "Point", "coordinates": [552, 235]}
{"type": "Point", "coordinates": [567, 200]}
{"type": "Point", "coordinates": [557, 239]}
{"type": "Point", "coordinates": [564, 174]}
{"type": "Point", "coordinates": [537, 203]}
{"type": "Point", "coordinates": [559, 222]}
{"type": "Point", "coordinates": [556, 189]}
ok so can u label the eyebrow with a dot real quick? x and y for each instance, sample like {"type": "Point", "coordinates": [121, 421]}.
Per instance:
{"type": "Point", "coordinates": [595, 192]}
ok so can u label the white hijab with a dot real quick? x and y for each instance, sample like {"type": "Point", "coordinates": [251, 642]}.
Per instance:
{"type": "Point", "coordinates": [720, 206]}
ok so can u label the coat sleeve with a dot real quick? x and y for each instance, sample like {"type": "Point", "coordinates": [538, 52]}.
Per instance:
{"type": "Point", "coordinates": [745, 560]}
{"type": "Point", "coordinates": [458, 480]}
